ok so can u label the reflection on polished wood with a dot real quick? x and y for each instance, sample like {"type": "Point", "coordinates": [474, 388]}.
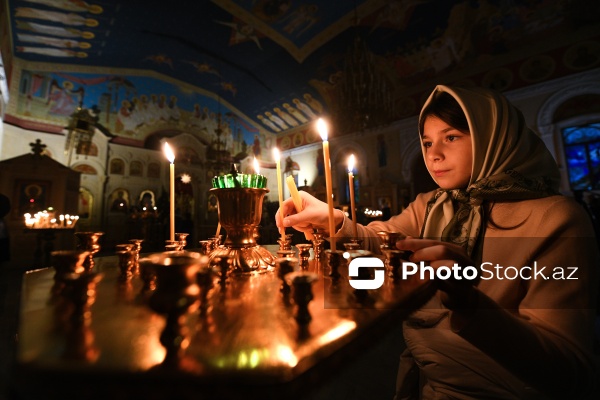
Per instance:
{"type": "Point", "coordinates": [244, 339]}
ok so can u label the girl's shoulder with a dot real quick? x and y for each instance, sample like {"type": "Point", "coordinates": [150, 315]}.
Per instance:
{"type": "Point", "coordinates": [541, 213]}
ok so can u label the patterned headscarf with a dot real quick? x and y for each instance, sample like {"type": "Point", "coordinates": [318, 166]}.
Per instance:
{"type": "Point", "coordinates": [510, 162]}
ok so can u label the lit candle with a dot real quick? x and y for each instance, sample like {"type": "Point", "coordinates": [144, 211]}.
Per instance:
{"type": "Point", "coordinates": [294, 193]}
{"type": "Point", "coordinates": [351, 162]}
{"type": "Point", "coordinates": [322, 129]}
{"type": "Point", "coordinates": [291, 184]}
{"type": "Point", "coordinates": [171, 157]}
{"type": "Point", "coordinates": [257, 180]}
{"type": "Point", "coordinates": [277, 158]}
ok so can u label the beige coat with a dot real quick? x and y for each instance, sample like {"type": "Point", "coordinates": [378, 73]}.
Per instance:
{"type": "Point", "coordinates": [529, 338]}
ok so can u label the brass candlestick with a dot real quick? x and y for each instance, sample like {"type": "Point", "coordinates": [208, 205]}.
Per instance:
{"type": "Point", "coordinates": [240, 211]}
{"type": "Point", "coordinates": [66, 263]}
{"type": "Point", "coordinates": [88, 241]}
{"type": "Point", "coordinates": [304, 254]}
{"type": "Point", "coordinates": [182, 239]}
{"type": "Point", "coordinates": [388, 242]}
{"type": "Point", "coordinates": [176, 294]}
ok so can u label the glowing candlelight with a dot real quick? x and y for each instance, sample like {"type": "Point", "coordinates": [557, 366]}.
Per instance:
{"type": "Point", "coordinates": [171, 157]}
{"type": "Point", "coordinates": [322, 129]}
{"type": "Point", "coordinates": [351, 162]}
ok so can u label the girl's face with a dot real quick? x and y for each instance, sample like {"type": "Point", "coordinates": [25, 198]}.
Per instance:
{"type": "Point", "coordinates": [448, 154]}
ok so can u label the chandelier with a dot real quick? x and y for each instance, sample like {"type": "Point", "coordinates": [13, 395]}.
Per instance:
{"type": "Point", "coordinates": [81, 130]}
{"type": "Point", "coordinates": [365, 95]}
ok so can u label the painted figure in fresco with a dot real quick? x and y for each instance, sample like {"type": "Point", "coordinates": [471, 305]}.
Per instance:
{"type": "Point", "coordinates": [304, 108]}
{"type": "Point", "coordinates": [60, 31]}
{"type": "Point", "coordinates": [297, 114]}
{"type": "Point", "coordinates": [320, 163]}
{"type": "Point", "coordinates": [120, 203]}
{"type": "Point", "coordinates": [203, 68]}
{"type": "Point", "coordinates": [313, 103]}
{"type": "Point", "coordinates": [54, 42]}
{"type": "Point", "coordinates": [125, 121]}
{"type": "Point", "coordinates": [53, 16]}
{"type": "Point", "coordinates": [70, 5]}
{"type": "Point", "coordinates": [47, 51]}
{"type": "Point", "coordinates": [162, 108]}
{"type": "Point", "coordinates": [286, 117]}
{"type": "Point", "coordinates": [152, 114]}
{"type": "Point", "coordinates": [241, 32]}
{"type": "Point", "coordinates": [268, 123]}
{"type": "Point", "coordinates": [277, 120]}
{"type": "Point", "coordinates": [174, 113]}
{"type": "Point", "coordinates": [64, 100]}
{"type": "Point", "coordinates": [256, 150]}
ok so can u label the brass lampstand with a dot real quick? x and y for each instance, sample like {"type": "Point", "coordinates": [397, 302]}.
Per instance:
{"type": "Point", "coordinates": [240, 211]}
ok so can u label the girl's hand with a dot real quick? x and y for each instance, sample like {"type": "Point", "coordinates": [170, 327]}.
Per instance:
{"type": "Point", "coordinates": [314, 215]}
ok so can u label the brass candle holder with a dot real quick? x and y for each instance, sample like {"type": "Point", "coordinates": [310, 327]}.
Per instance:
{"type": "Point", "coordinates": [240, 211]}
{"type": "Point", "coordinates": [89, 241]}
{"type": "Point", "coordinates": [176, 295]}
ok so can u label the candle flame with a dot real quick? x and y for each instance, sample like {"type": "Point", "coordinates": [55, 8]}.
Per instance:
{"type": "Point", "coordinates": [322, 128]}
{"type": "Point", "coordinates": [276, 155]}
{"type": "Point", "coordinates": [169, 153]}
{"type": "Point", "coordinates": [351, 162]}
{"type": "Point", "coordinates": [256, 168]}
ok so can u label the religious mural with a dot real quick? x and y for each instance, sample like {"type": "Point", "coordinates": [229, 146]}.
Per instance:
{"type": "Point", "coordinates": [277, 65]}
{"type": "Point", "coordinates": [132, 107]}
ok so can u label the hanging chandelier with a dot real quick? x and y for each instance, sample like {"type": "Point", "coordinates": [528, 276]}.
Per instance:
{"type": "Point", "coordinates": [365, 95]}
{"type": "Point", "coordinates": [80, 132]}
{"type": "Point", "coordinates": [217, 154]}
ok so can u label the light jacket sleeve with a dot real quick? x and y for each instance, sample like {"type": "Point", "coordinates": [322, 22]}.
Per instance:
{"type": "Point", "coordinates": [548, 340]}
{"type": "Point", "coordinates": [408, 223]}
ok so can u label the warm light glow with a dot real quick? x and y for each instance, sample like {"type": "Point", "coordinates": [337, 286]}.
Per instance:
{"type": "Point", "coordinates": [276, 155]}
{"type": "Point", "coordinates": [169, 153]}
{"type": "Point", "coordinates": [46, 219]}
{"type": "Point", "coordinates": [373, 213]}
{"type": "Point", "coordinates": [256, 167]}
{"type": "Point", "coordinates": [351, 162]}
{"type": "Point", "coordinates": [342, 329]}
{"type": "Point", "coordinates": [186, 178]}
{"type": "Point", "coordinates": [322, 128]}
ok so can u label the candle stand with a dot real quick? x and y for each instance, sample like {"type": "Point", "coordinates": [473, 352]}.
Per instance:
{"type": "Point", "coordinates": [240, 212]}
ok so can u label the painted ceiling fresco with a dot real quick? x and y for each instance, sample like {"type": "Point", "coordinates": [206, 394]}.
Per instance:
{"type": "Point", "coordinates": [272, 66]}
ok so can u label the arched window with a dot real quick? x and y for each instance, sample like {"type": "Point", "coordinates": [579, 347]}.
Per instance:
{"type": "Point", "coordinates": [85, 169]}
{"type": "Point", "coordinates": [136, 168]}
{"type": "Point", "coordinates": [582, 154]}
{"type": "Point", "coordinates": [117, 167]}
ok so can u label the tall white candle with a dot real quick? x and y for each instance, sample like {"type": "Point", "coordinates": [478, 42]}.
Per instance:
{"type": "Point", "coordinates": [322, 129]}
{"type": "Point", "coordinates": [171, 157]}
{"type": "Point", "coordinates": [351, 162]}
{"type": "Point", "coordinates": [277, 158]}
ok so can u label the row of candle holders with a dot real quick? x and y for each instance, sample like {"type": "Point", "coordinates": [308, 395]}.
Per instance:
{"type": "Point", "coordinates": [176, 282]}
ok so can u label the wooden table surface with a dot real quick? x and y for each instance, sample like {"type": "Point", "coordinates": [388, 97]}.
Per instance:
{"type": "Point", "coordinates": [244, 339]}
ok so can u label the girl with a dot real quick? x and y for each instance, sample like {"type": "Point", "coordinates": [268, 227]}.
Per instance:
{"type": "Point", "coordinates": [522, 330]}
